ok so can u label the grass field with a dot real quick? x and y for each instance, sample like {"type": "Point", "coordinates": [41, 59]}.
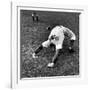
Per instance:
{"type": "Point", "coordinates": [33, 34]}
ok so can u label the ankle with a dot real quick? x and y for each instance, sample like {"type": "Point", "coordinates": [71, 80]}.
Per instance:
{"type": "Point", "coordinates": [34, 55]}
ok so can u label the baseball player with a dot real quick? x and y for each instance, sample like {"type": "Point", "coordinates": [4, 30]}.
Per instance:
{"type": "Point", "coordinates": [56, 37]}
{"type": "Point", "coordinates": [35, 16]}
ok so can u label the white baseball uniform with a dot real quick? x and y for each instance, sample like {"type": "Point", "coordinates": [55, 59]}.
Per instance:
{"type": "Point", "coordinates": [59, 32]}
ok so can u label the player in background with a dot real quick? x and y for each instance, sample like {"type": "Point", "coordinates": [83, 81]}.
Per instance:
{"type": "Point", "coordinates": [34, 16]}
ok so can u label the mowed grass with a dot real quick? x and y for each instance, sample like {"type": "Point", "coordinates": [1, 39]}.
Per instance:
{"type": "Point", "coordinates": [33, 34]}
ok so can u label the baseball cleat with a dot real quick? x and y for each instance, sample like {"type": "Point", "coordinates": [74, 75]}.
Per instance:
{"type": "Point", "coordinates": [50, 65]}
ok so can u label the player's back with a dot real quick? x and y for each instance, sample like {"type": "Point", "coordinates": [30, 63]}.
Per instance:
{"type": "Point", "coordinates": [57, 31]}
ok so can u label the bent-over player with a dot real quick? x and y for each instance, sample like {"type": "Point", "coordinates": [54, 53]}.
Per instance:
{"type": "Point", "coordinates": [56, 37]}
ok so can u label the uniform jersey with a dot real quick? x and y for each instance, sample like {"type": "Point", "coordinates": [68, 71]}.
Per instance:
{"type": "Point", "coordinates": [59, 31]}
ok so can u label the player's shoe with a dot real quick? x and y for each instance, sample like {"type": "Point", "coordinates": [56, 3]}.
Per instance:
{"type": "Point", "coordinates": [34, 55]}
{"type": "Point", "coordinates": [50, 64]}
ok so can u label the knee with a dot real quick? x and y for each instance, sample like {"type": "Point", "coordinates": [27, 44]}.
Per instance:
{"type": "Point", "coordinates": [46, 43]}
{"type": "Point", "coordinates": [59, 46]}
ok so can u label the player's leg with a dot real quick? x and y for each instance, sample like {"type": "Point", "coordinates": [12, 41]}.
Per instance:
{"type": "Point", "coordinates": [54, 59]}
{"type": "Point", "coordinates": [37, 18]}
{"type": "Point", "coordinates": [37, 51]}
{"type": "Point", "coordinates": [58, 45]}
{"type": "Point", "coordinates": [44, 44]}
{"type": "Point", "coordinates": [51, 64]}
{"type": "Point", "coordinates": [33, 18]}
{"type": "Point", "coordinates": [71, 46]}
{"type": "Point", "coordinates": [72, 40]}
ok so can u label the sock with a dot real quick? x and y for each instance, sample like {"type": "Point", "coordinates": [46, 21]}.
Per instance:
{"type": "Point", "coordinates": [38, 49]}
